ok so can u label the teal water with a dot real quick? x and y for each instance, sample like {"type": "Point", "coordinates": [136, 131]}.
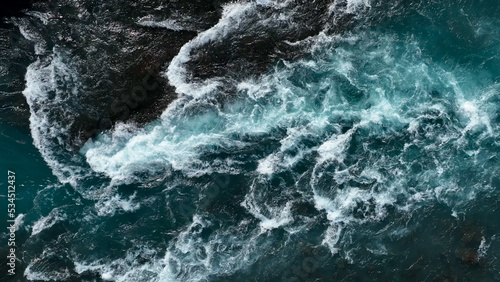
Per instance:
{"type": "Point", "coordinates": [374, 157]}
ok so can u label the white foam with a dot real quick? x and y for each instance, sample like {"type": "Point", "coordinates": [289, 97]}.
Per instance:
{"type": "Point", "coordinates": [48, 221]}
{"type": "Point", "coordinates": [177, 73]}
{"type": "Point", "coordinates": [32, 274]}
{"type": "Point", "coordinates": [334, 149]}
{"type": "Point", "coordinates": [43, 17]}
{"type": "Point", "coordinates": [354, 5]}
{"type": "Point", "coordinates": [168, 24]}
{"type": "Point", "coordinates": [340, 210]}
{"type": "Point", "coordinates": [172, 24]}
{"type": "Point", "coordinates": [475, 116]}
{"type": "Point", "coordinates": [189, 256]}
{"type": "Point", "coordinates": [32, 35]}
{"type": "Point", "coordinates": [266, 166]}
{"type": "Point", "coordinates": [108, 206]}
{"type": "Point", "coordinates": [125, 269]}
{"type": "Point", "coordinates": [146, 152]}
{"type": "Point", "coordinates": [472, 112]}
{"type": "Point", "coordinates": [483, 248]}
{"type": "Point", "coordinates": [342, 9]}
{"type": "Point", "coordinates": [50, 131]}
{"type": "Point", "coordinates": [19, 221]}
{"type": "Point", "coordinates": [270, 217]}
{"type": "Point", "coordinates": [283, 159]}
{"type": "Point", "coordinates": [193, 258]}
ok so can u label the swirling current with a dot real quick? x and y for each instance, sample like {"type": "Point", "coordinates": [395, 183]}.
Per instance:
{"type": "Point", "coordinates": [329, 140]}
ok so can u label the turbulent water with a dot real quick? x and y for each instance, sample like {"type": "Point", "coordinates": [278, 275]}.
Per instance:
{"type": "Point", "coordinates": [340, 140]}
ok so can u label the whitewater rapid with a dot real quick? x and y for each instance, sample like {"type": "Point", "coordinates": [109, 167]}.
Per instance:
{"type": "Point", "coordinates": [371, 91]}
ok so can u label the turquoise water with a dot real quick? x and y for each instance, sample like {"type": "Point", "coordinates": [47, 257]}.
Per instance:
{"type": "Point", "coordinates": [372, 157]}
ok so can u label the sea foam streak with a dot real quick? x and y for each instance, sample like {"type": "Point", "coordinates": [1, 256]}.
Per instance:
{"type": "Point", "coordinates": [177, 73]}
{"type": "Point", "coordinates": [50, 128]}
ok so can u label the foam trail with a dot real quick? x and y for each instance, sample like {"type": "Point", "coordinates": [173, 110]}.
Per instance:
{"type": "Point", "coordinates": [177, 73]}
{"type": "Point", "coordinates": [48, 221]}
{"type": "Point", "coordinates": [41, 80]}
{"type": "Point", "coordinates": [189, 257]}
{"type": "Point", "coordinates": [53, 92]}
{"type": "Point", "coordinates": [172, 24]}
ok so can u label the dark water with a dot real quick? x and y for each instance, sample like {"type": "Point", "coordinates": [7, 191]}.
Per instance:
{"type": "Point", "coordinates": [326, 141]}
{"type": "Point", "coordinates": [10, 8]}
